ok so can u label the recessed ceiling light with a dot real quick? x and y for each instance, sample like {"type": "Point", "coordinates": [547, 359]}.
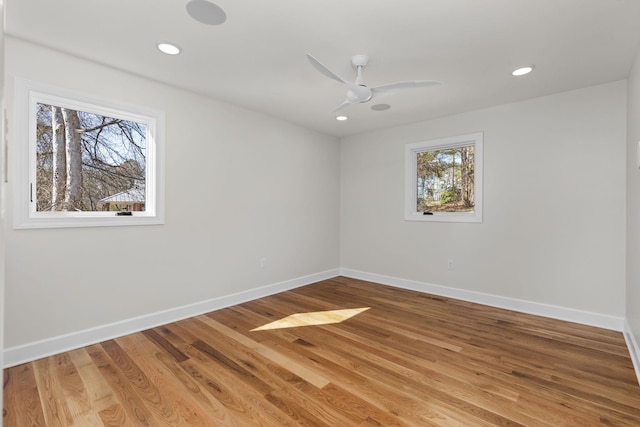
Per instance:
{"type": "Point", "coordinates": [168, 48]}
{"type": "Point", "coordinates": [521, 71]}
{"type": "Point", "coordinates": [341, 118]}
{"type": "Point", "coordinates": [380, 107]}
{"type": "Point", "coordinates": [206, 12]}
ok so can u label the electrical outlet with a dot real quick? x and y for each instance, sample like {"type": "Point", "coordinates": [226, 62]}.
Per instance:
{"type": "Point", "coordinates": [263, 262]}
{"type": "Point", "coordinates": [450, 264]}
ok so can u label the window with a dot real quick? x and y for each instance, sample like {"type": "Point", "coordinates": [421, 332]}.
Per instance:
{"type": "Point", "coordinates": [444, 179]}
{"type": "Point", "coordinates": [84, 161]}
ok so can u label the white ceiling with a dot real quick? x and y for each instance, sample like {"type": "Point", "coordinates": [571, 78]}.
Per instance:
{"type": "Point", "coordinates": [257, 58]}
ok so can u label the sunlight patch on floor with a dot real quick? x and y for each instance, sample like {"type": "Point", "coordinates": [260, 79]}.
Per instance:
{"type": "Point", "coordinates": [313, 318]}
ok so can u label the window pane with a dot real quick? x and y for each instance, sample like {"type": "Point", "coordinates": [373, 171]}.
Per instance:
{"type": "Point", "coordinates": [87, 162]}
{"type": "Point", "coordinates": [445, 180]}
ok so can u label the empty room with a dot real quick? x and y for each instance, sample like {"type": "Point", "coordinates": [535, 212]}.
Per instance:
{"type": "Point", "coordinates": [364, 213]}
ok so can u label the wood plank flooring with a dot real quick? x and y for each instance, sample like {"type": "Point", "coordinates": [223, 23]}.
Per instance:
{"type": "Point", "coordinates": [409, 359]}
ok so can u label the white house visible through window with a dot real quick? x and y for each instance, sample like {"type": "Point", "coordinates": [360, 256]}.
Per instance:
{"type": "Point", "coordinates": [444, 179]}
{"type": "Point", "coordinates": [85, 161]}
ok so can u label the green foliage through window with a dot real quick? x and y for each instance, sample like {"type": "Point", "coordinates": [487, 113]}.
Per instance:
{"type": "Point", "coordinates": [445, 180]}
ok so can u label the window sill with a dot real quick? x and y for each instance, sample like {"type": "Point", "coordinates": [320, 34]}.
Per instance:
{"type": "Point", "coordinates": [444, 217]}
{"type": "Point", "coordinates": [72, 220]}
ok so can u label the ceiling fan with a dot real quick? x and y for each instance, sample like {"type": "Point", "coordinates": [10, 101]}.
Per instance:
{"type": "Point", "coordinates": [358, 92]}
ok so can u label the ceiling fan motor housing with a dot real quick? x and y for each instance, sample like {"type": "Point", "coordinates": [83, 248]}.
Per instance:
{"type": "Point", "coordinates": [359, 93]}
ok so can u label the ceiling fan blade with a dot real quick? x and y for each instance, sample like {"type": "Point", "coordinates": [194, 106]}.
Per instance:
{"type": "Point", "coordinates": [392, 88]}
{"type": "Point", "coordinates": [324, 70]}
{"type": "Point", "coordinates": [345, 103]}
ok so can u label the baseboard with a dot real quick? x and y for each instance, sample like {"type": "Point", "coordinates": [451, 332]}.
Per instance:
{"type": "Point", "coordinates": [32, 351]}
{"type": "Point", "coordinates": [36, 350]}
{"type": "Point", "coordinates": [523, 306]}
{"type": "Point", "coordinates": [634, 349]}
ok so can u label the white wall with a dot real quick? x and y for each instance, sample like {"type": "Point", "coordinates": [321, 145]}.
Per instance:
{"type": "Point", "coordinates": [2, 195]}
{"type": "Point", "coordinates": [554, 196]}
{"type": "Point", "coordinates": [239, 186]}
{"type": "Point", "coordinates": [633, 206]}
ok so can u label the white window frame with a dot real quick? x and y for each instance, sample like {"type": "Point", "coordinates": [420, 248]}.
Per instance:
{"type": "Point", "coordinates": [411, 152]}
{"type": "Point", "coordinates": [27, 95]}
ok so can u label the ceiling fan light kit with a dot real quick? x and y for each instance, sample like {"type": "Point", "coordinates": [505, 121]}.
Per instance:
{"type": "Point", "coordinates": [358, 92]}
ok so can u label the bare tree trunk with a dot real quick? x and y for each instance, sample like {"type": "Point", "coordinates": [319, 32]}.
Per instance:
{"type": "Point", "coordinates": [73, 196]}
{"type": "Point", "coordinates": [59, 159]}
{"type": "Point", "coordinates": [467, 177]}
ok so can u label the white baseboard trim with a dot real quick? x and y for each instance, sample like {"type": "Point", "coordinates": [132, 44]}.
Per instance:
{"type": "Point", "coordinates": [539, 309]}
{"type": "Point", "coordinates": [35, 350]}
{"type": "Point", "coordinates": [32, 351]}
{"type": "Point", "coordinates": [634, 349]}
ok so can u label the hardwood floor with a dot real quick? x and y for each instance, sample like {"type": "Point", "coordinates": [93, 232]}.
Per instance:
{"type": "Point", "coordinates": [410, 359]}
